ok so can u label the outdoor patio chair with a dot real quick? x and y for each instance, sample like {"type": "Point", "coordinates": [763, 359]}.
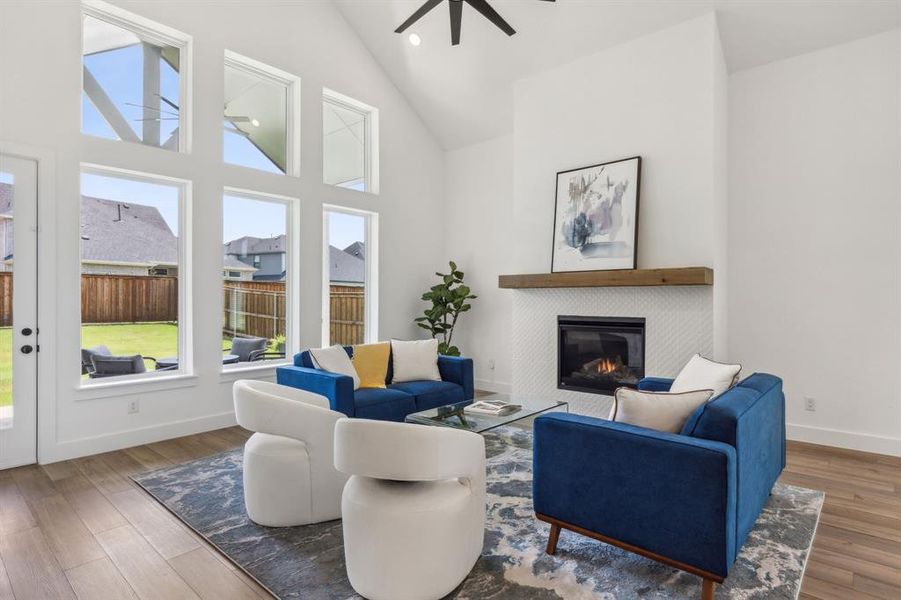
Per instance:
{"type": "Point", "coordinates": [99, 362]}
{"type": "Point", "coordinates": [247, 349]}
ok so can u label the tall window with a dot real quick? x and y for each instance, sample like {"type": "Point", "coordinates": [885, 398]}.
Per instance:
{"type": "Point", "coordinates": [350, 299]}
{"type": "Point", "coordinates": [349, 143]}
{"type": "Point", "coordinates": [260, 121]}
{"type": "Point", "coordinates": [257, 245]}
{"type": "Point", "coordinates": [133, 79]}
{"type": "Point", "coordinates": [133, 259]}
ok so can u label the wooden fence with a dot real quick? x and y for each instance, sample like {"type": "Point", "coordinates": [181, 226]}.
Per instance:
{"type": "Point", "coordinates": [6, 299]}
{"type": "Point", "coordinates": [128, 299]}
{"type": "Point", "coordinates": [252, 308]}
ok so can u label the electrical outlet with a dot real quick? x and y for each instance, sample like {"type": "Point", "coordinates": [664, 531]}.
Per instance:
{"type": "Point", "coordinates": [134, 406]}
{"type": "Point", "coordinates": [491, 363]}
{"type": "Point", "coordinates": [810, 403]}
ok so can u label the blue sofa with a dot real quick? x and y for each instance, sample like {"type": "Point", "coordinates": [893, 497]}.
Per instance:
{"type": "Point", "coordinates": [392, 403]}
{"type": "Point", "coordinates": [688, 500]}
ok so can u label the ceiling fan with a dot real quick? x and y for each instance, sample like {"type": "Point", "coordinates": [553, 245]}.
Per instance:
{"type": "Point", "coordinates": [456, 16]}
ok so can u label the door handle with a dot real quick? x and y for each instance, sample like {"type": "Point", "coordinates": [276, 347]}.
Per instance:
{"type": "Point", "coordinates": [26, 349]}
{"type": "Point", "coordinates": [27, 331]}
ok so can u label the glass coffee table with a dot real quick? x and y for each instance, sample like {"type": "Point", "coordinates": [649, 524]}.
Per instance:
{"type": "Point", "coordinates": [454, 415]}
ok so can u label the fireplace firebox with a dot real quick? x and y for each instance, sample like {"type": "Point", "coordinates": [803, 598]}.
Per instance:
{"type": "Point", "coordinates": [599, 354]}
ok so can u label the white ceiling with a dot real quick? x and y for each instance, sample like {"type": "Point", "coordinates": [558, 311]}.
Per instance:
{"type": "Point", "coordinates": [464, 93]}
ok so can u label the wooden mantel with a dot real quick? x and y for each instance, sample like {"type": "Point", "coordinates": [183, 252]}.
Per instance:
{"type": "Point", "coordinates": [623, 278]}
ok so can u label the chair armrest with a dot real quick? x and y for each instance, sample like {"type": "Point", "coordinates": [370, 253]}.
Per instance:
{"type": "Point", "coordinates": [655, 384]}
{"type": "Point", "coordinates": [459, 370]}
{"type": "Point", "coordinates": [672, 495]}
{"type": "Point", "coordinates": [338, 389]}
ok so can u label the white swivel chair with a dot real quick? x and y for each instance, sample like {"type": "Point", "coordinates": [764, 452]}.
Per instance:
{"type": "Point", "coordinates": [413, 509]}
{"type": "Point", "coordinates": [289, 471]}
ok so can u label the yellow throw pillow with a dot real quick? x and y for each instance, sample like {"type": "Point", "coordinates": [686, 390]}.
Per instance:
{"type": "Point", "coordinates": [371, 364]}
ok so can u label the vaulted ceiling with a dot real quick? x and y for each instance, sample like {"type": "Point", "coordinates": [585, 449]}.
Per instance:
{"type": "Point", "coordinates": [464, 93]}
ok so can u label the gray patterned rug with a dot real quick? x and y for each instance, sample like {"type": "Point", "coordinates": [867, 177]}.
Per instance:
{"type": "Point", "coordinates": [308, 562]}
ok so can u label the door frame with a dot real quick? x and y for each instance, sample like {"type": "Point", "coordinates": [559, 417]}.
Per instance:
{"type": "Point", "coordinates": [46, 393]}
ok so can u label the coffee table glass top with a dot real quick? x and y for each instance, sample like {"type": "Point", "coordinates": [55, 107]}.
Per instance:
{"type": "Point", "coordinates": [454, 415]}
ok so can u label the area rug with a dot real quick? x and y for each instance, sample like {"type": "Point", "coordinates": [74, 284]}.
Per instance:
{"type": "Point", "coordinates": [308, 562]}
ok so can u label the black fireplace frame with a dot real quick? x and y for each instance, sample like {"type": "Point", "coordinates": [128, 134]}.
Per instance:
{"type": "Point", "coordinates": [575, 321]}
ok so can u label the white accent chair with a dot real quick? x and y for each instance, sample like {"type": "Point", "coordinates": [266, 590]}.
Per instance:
{"type": "Point", "coordinates": [413, 509]}
{"type": "Point", "coordinates": [289, 472]}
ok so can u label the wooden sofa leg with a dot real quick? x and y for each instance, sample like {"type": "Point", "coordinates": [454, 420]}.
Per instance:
{"type": "Point", "coordinates": [552, 539]}
{"type": "Point", "coordinates": [707, 589]}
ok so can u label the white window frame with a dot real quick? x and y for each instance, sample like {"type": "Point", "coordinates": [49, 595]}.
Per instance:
{"type": "Point", "coordinates": [370, 137]}
{"type": "Point", "coordinates": [371, 273]}
{"type": "Point", "coordinates": [185, 277]}
{"type": "Point", "coordinates": [154, 33]}
{"type": "Point", "coordinates": [292, 273]}
{"type": "Point", "coordinates": [292, 120]}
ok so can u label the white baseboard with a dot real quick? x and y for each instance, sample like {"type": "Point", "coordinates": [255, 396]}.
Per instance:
{"type": "Point", "coordinates": [865, 442]}
{"type": "Point", "coordinates": [134, 437]}
{"type": "Point", "coordinates": [493, 386]}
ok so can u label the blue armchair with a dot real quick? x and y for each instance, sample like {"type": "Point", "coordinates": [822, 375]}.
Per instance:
{"type": "Point", "coordinates": [688, 500]}
{"type": "Point", "coordinates": [391, 403]}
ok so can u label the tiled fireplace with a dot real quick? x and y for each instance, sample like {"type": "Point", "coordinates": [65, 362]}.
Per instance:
{"type": "Point", "coordinates": [678, 322]}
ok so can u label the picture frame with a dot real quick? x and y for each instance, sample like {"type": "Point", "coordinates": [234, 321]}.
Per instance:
{"type": "Point", "coordinates": [596, 217]}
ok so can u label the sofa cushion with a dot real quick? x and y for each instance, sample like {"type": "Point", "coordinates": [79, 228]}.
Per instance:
{"type": "Point", "coordinates": [704, 374]}
{"type": "Point", "coordinates": [415, 360]}
{"type": "Point", "coordinates": [430, 394]}
{"type": "Point", "coordinates": [371, 363]}
{"type": "Point", "coordinates": [334, 359]}
{"type": "Point", "coordinates": [661, 411]}
{"type": "Point", "coordinates": [383, 404]}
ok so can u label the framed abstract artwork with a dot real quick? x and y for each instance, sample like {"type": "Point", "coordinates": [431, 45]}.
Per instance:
{"type": "Point", "coordinates": [596, 217]}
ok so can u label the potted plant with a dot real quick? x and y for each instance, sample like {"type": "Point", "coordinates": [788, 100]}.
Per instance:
{"type": "Point", "coordinates": [449, 300]}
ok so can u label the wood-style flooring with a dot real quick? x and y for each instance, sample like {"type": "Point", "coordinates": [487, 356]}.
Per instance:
{"type": "Point", "coordinates": [82, 529]}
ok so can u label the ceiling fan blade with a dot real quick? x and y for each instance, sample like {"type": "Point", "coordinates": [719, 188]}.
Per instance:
{"type": "Point", "coordinates": [420, 12]}
{"type": "Point", "coordinates": [456, 18]}
{"type": "Point", "coordinates": [489, 13]}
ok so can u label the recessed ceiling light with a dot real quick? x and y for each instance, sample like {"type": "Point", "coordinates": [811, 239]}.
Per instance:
{"type": "Point", "coordinates": [415, 39]}
{"type": "Point", "coordinates": [254, 122]}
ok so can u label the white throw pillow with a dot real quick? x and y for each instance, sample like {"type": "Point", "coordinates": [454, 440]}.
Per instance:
{"type": "Point", "coordinates": [704, 374]}
{"type": "Point", "coordinates": [663, 411]}
{"type": "Point", "coordinates": [335, 360]}
{"type": "Point", "coordinates": [415, 361]}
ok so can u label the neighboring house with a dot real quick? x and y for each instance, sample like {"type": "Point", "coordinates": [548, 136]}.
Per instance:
{"type": "Point", "coordinates": [346, 267]}
{"type": "Point", "coordinates": [357, 249]}
{"type": "Point", "coordinates": [6, 226]}
{"type": "Point", "coordinates": [123, 238]}
{"type": "Point", "coordinates": [266, 255]}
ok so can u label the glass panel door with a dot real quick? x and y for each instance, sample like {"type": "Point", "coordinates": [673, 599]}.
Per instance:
{"type": "Point", "coordinates": [18, 311]}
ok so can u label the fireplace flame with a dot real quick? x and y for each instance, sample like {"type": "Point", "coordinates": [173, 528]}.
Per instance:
{"type": "Point", "coordinates": [606, 366]}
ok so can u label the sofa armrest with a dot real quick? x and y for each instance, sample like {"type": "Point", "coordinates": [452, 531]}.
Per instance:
{"type": "Point", "coordinates": [655, 384]}
{"type": "Point", "coordinates": [672, 495]}
{"type": "Point", "coordinates": [459, 370]}
{"type": "Point", "coordinates": [339, 389]}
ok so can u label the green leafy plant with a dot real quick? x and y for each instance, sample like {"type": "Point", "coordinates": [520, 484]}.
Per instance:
{"type": "Point", "coordinates": [449, 300]}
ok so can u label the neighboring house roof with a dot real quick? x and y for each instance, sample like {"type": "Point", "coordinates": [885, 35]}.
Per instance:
{"type": "Point", "coordinates": [233, 264]}
{"type": "Point", "coordinates": [123, 232]}
{"type": "Point", "coordinates": [356, 249]}
{"type": "Point", "coordinates": [344, 267]}
{"type": "Point", "coordinates": [254, 245]}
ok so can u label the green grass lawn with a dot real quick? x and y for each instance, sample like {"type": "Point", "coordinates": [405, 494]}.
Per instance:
{"type": "Point", "coordinates": [159, 340]}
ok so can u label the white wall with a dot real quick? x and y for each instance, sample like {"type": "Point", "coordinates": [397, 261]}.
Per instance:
{"type": "Point", "coordinates": [662, 96]}
{"type": "Point", "coordinates": [814, 244]}
{"type": "Point", "coordinates": [478, 221]}
{"type": "Point", "coordinates": [40, 88]}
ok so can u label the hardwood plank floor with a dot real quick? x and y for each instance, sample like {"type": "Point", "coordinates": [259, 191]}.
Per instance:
{"type": "Point", "coordinates": [82, 528]}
